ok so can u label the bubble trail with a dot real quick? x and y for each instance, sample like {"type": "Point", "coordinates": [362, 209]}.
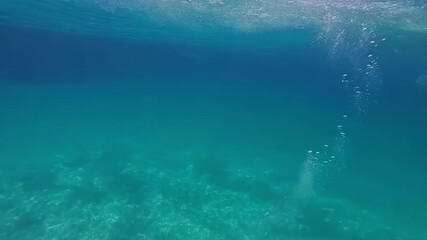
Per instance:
{"type": "Point", "coordinates": [305, 188]}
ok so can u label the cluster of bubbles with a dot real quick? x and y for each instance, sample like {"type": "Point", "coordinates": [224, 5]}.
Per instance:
{"type": "Point", "coordinates": [314, 167]}
{"type": "Point", "coordinates": [320, 165]}
{"type": "Point", "coordinates": [352, 39]}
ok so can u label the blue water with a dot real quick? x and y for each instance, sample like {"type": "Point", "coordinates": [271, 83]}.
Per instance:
{"type": "Point", "coordinates": [299, 120]}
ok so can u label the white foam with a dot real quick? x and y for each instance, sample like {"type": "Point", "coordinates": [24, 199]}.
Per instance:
{"type": "Point", "coordinates": [254, 15]}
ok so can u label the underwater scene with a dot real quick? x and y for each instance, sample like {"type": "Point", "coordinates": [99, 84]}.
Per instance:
{"type": "Point", "coordinates": [213, 120]}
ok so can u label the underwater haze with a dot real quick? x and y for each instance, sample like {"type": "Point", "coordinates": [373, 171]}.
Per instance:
{"type": "Point", "coordinates": [213, 120]}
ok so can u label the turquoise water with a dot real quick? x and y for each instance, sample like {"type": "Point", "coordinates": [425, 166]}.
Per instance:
{"type": "Point", "coordinates": [299, 120]}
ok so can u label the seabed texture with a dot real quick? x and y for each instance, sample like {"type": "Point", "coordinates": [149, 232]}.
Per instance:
{"type": "Point", "coordinates": [114, 194]}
